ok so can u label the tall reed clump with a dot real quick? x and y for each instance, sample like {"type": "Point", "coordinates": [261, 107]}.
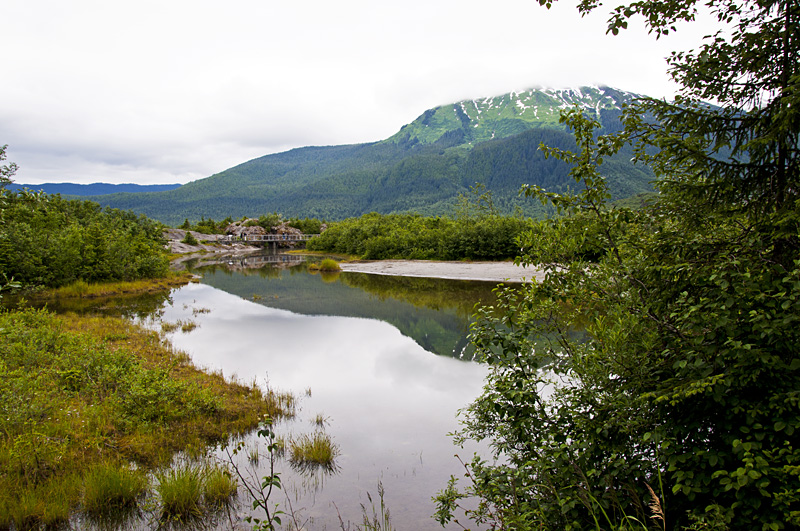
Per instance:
{"type": "Point", "coordinates": [380, 520]}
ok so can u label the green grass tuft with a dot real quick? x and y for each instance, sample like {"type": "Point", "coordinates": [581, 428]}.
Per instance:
{"type": "Point", "coordinates": [313, 450]}
{"type": "Point", "coordinates": [329, 264]}
{"type": "Point", "coordinates": [110, 486]}
{"type": "Point", "coordinates": [219, 486]}
{"type": "Point", "coordinates": [181, 492]}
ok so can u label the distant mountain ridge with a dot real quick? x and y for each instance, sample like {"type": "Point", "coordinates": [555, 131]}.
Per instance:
{"type": "Point", "coordinates": [422, 168]}
{"type": "Point", "coordinates": [94, 188]}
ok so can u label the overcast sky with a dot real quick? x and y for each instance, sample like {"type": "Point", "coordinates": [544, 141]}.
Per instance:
{"type": "Point", "coordinates": [172, 91]}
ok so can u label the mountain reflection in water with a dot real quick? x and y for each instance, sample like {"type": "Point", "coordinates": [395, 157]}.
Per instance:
{"type": "Point", "coordinates": [435, 313]}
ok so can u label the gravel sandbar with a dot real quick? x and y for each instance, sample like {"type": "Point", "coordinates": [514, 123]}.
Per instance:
{"type": "Point", "coordinates": [488, 271]}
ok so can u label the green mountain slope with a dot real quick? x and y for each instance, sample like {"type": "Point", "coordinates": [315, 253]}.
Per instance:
{"type": "Point", "coordinates": [475, 121]}
{"type": "Point", "coordinates": [422, 168]}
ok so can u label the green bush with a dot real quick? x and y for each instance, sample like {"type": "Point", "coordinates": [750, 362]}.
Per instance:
{"type": "Point", "coordinates": [189, 239]}
{"type": "Point", "coordinates": [53, 242]}
{"type": "Point", "coordinates": [152, 395]}
{"type": "Point", "coordinates": [329, 264]}
{"type": "Point", "coordinates": [678, 397]}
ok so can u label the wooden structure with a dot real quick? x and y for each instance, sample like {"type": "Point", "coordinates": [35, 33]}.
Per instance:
{"type": "Point", "coordinates": [274, 239]}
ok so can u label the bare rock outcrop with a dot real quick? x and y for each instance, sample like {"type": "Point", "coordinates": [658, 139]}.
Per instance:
{"type": "Point", "coordinates": [247, 227]}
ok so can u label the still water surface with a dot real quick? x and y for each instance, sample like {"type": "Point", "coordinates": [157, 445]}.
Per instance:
{"type": "Point", "coordinates": [383, 359]}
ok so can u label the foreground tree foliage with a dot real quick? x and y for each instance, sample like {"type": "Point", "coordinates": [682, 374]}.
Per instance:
{"type": "Point", "coordinates": [653, 379]}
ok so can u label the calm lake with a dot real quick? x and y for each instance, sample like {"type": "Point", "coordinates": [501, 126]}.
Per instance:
{"type": "Point", "coordinates": [384, 361]}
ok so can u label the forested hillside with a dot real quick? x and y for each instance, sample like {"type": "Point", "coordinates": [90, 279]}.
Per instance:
{"type": "Point", "coordinates": [423, 168]}
{"type": "Point", "coordinates": [91, 189]}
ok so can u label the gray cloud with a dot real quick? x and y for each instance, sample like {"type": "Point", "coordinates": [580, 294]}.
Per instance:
{"type": "Point", "coordinates": [170, 92]}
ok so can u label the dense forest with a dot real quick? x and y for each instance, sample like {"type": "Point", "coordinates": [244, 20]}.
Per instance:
{"type": "Point", "coordinates": [411, 236]}
{"type": "Point", "coordinates": [92, 189]}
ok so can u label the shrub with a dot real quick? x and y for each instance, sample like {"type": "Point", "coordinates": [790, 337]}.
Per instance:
{"type": "Point", "coordinates": [189, 239]}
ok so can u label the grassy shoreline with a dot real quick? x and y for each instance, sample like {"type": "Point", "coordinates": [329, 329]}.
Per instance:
{"type": "Point", "coordinates": [82, 392]}
{"type": "Point", "coordinates": [81, 289]}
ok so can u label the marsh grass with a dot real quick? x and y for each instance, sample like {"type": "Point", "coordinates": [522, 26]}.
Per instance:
{"type": "Point", "coordinates": [112, 486]}
{"type": "Point", "coordinates": [82, 289]}
{"type": "Point", "coordinates": [320, 420]}
{"type": "Point", "coordinates": [180, 490]}
{"type": "Point", "coordinates": [219, 486]}
{"type": "Point", "coordinates": [78, 392]}
{"type": "Point", "coordinates": [380, 519]}
{"type": "Point", "coordinates": [315, 450]}
{"type": "Point", "coordinates": [168, 327]}
{"type": "Point", "coordinates": [253, 454]}
{"type": "Point", "coordinates": [187, 326]}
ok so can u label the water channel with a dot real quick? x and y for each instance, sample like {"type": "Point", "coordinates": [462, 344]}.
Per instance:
{"type": "Point", "coordinates": [384, 360]}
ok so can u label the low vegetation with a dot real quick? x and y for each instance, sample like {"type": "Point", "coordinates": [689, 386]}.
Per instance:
{"type": "Point", "coordinates": [327, 265]}
{"type": "Point", "coordinates": [219, 486]}
{"type": "Point", "coordinates": [80, 397]}
{"type": "Point", "coordinates": [180, 490]}
{"type": "Point", "coordinates": [88, 290]}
